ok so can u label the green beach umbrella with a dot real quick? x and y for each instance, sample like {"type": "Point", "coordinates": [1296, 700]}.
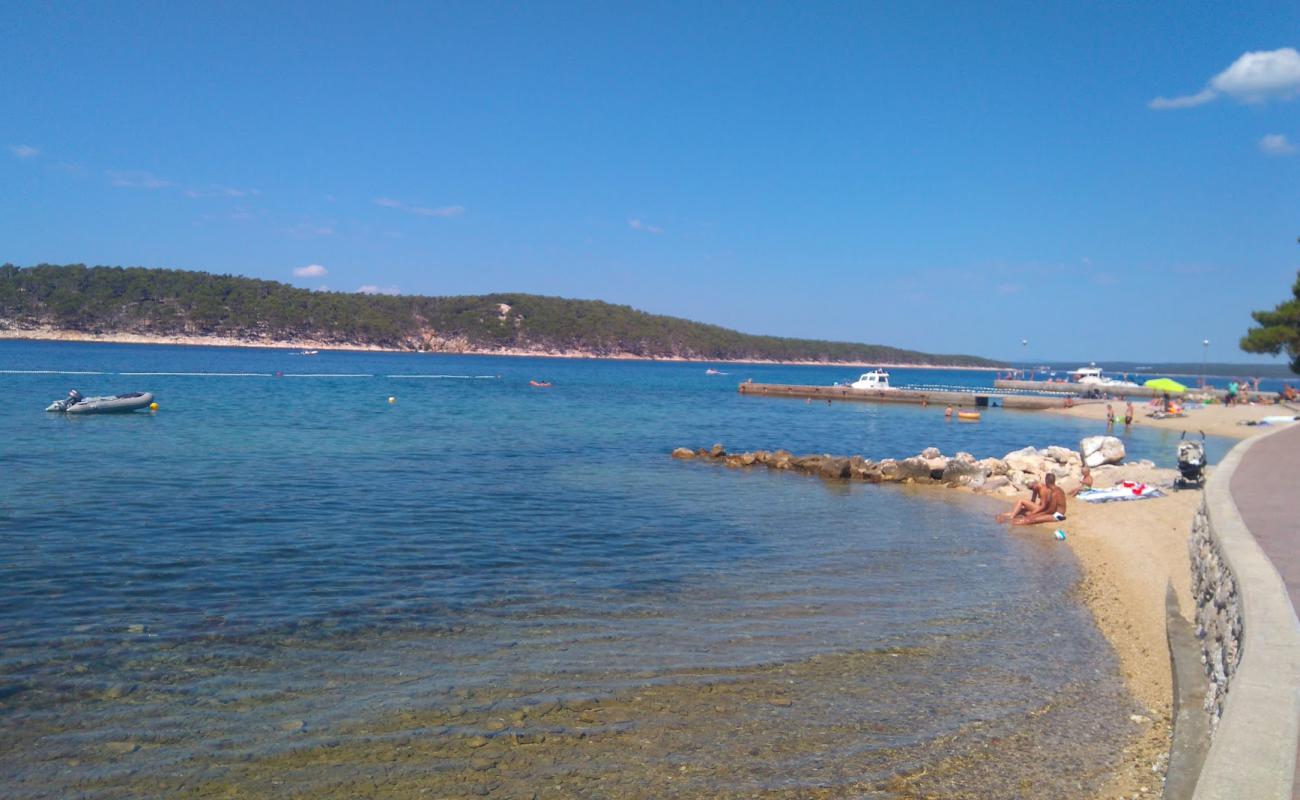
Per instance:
{"type": "Point", "coordinates": [1165, 385]}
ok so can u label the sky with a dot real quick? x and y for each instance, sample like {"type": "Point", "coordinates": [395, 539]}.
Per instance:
{"type": "Point", "coordinates": [1025, 181]}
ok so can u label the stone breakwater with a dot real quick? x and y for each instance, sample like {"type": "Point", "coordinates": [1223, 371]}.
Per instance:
{"type": "Point", "coordinates": [1009, 475]}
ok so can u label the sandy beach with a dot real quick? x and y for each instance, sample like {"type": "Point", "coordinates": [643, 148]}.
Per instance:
{"type": "Point", "coordinates": [1128, 554]}
{"type": "Point", "coordinates": [1214, 420]}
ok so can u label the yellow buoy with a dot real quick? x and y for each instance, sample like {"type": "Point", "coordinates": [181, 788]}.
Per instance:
{"type": "Point", "coordinates": [153, 406]}
{"type": "Point", "coordinates": [392, 399]}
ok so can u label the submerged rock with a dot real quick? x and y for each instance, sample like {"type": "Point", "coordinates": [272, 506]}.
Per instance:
{"type": "Point", "coordinates": [683, 452]}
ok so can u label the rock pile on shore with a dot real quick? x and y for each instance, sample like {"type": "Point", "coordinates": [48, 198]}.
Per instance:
{"type": "Point", "coordinates": [1008, 475]}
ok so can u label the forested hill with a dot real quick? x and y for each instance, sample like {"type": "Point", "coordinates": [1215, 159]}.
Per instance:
{"type": "Point", "coordinates": [163, 302]}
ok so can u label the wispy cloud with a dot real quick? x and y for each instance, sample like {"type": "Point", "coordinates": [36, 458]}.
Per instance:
{"type": "Point", "coordinates": [310, 271]}
{"type": "Point", "coordinates": [638, 225]}
{"type": "Point", "coordinates": [422, 211]}
{"type": "Point", "coordinates": [1010, 288]}
{"type": "Point", "coordinates": [24, 151]}
{"type": "Point", "coordinates": [371, 288]}
{"type": "Point", "coordinates": [1253, 78]}
{"type": "Point", "coordinates": [134, 179]}
{"type": "Point", "coordinates": [1276, 144]}
{"type": "Point", "coordinates": [217, 190]}
{"type": "Point", "coordinates": [311, 230]}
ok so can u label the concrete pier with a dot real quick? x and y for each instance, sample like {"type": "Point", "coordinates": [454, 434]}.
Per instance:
{"type": "Point", "coordinates": [1067, 388]}
{"type": "Point", "coordinates": [971, 399]}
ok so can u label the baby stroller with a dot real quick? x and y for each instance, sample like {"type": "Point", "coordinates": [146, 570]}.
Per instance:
{"type": "Point", "coordinates": [1191, 461]}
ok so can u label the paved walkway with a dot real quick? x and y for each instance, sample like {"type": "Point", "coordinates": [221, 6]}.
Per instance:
{"type": "Point", "coordinates": [1265, 490]}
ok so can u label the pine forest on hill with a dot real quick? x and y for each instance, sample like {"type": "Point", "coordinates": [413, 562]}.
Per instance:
{"type": "Point", "coordinates": [168, 303]}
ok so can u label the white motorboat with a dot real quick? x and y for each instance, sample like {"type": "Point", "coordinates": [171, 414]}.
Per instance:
{"type": "Point", "coordinates": [876, 380]}
{"type": "Point", "coordinates": [1092, 376]}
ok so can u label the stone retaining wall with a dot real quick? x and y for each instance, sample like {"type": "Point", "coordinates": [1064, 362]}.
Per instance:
{"type": "Point", "coordinates": [1218, 613]}
{"type": "Point", "coordinates": [1252, 651]}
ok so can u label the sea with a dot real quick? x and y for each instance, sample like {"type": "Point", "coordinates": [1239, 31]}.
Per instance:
{"type": "Point", "coordinates": [413, 575]}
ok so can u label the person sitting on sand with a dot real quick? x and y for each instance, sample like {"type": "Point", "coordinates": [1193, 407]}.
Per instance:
{"type": "Point", "coordinates": [1025, 507]}
{"type": "Point", "coordinates": [1085, 481]}
{"type": "Point", "coordinates": [1053, 506]}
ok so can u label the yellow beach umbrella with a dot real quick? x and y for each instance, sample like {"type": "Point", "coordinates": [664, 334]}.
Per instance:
{"type": "Point", "coordinates": [1165, 385]}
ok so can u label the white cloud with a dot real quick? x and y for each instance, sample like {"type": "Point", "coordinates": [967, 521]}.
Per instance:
{"type": "Point", "coordinates": [310, 271]}
{"type": "Point", "coordinates": [1253, 78]}
{"type": "Point", "coordinates": [132, 179]}
{"type": "Point", "coordinates": [1186, 101]}
{"type": "Point", "coordinates": [638, 225]}
{"type": "Point", "coordinates": [370, 288]}
{"type": "Point", "coordinates": [445, 211]}
{"type": "Point", "coordinates": [311, 230]}
{"type": "Point", "coordinates": [1276, 144]}
{"type": "Point", "coordinates": [24, 150]}
{"type": "Point", "coordinates": [422, 211]}
{"type": "Point", "coordinates": [217, 190]}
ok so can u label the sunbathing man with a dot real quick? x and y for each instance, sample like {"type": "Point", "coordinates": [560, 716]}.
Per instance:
{"type": "Point", "coordinates": [1037, 496]}
{"type": "Point", "coordinates": [1085, 481]}
{"type": "Point", "coordinates": [1053, 507]}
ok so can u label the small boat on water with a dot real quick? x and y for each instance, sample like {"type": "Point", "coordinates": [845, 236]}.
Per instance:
{"type": "Point", "coordinates": [540, 384]}
{"type": "Point", "coordinates": [876, 380]}
{"type": "Point", "coordinates": [309, 353]}
{"type": "Point", "coordinates": [114, 404]}
{"type": "Point", "coordinates": [968, 416]}
{"type": "Point", "coordinates": [1091, 376]}
{"type": "Point", "coordinates": [712, 371]}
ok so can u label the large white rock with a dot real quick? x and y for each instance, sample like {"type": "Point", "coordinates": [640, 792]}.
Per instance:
{"type": "Point", "coordinates": [1098, 450]}
{"type": "Point", "coordinates": [1025, 460]}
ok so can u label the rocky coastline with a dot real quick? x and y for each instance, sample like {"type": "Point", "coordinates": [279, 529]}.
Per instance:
{"type": "Point", "coordinates": [453, 346]}
{"type": "Point", "coordinates": [1008, 476]}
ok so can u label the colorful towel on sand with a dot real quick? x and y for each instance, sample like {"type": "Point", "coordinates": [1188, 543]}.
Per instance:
{"type": "Point", "coordinates": [1127, 490]}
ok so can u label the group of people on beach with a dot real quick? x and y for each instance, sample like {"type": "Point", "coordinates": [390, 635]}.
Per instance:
{"type": "Point", "coordinates": [1046, 501]}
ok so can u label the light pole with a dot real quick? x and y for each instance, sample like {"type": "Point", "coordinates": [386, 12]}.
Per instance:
{"type": "Point", "coordinates": [1205, 359]}
{"type": "Point", "coordinates": [1024, 350]}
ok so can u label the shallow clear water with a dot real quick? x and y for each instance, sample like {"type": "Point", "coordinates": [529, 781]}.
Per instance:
{"type": "Point", "coordinates": [268, 562]}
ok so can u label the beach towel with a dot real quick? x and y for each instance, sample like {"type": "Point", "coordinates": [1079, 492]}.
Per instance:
{"type": "Point", "coordinates": [1128, 490]}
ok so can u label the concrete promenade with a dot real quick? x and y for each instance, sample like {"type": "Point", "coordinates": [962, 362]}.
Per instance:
{"type": "Point", "coordinates": [1266, 488]}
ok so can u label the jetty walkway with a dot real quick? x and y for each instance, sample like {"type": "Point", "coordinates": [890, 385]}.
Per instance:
{"type": "Point", "coordinates": [1264, 488]}
{"type": "Point", "coordinates": [973, 399]}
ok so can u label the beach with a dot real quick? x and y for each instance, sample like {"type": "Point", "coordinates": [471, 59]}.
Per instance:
{"type": "Point", "coordinates": [1213, 420]}
{"type": "Point", "coordinates": [587, 631]}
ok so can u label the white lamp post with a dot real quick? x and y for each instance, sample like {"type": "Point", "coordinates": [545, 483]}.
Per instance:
{"type": "Point", "coordinates": [1205, 359]}
{"type": "Point", "coordinates": [1024, 350]}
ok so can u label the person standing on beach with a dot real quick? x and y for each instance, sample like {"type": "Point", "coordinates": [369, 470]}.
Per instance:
{"type": "Point", "coordinates": [1128, 414]}
{"type": "Point", "coordinates": [1110, 417]}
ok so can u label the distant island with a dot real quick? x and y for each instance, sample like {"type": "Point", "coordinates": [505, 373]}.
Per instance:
{"type": "Point", "coordinates": [136, 304]}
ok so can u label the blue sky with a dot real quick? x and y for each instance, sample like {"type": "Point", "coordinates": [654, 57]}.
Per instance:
{"type": "Point", "coordinates": [1105, 181]}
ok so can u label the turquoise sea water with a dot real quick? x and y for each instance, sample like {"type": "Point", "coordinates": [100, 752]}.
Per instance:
{"type": "Point", "coordinates": [269, 548]}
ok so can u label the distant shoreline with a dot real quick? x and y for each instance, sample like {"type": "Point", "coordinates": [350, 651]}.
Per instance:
{"type": "Point", "coordinates": [58, 335]}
